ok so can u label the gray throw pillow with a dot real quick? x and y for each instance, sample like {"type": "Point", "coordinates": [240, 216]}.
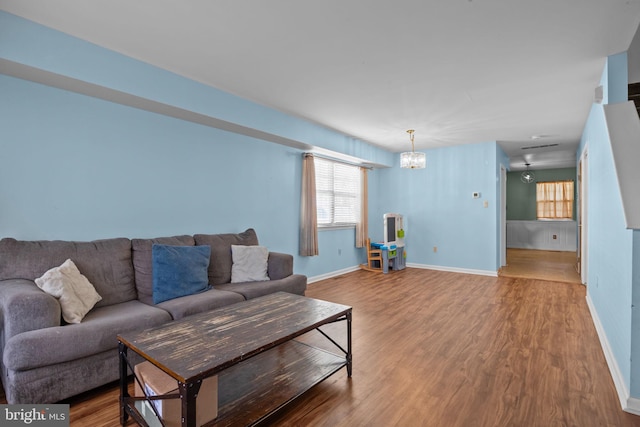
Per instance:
{"type": "Point", "coordinates": [249, 263]}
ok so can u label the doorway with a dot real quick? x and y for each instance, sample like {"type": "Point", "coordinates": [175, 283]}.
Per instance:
{"type": "Point", "coordinates": [542, 265]}
{"type": "Point", "coordinates": [535, 262]}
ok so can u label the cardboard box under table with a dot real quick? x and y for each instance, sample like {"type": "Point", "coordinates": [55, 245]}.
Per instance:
{"type": "Point", "coordinates": [156, 383]}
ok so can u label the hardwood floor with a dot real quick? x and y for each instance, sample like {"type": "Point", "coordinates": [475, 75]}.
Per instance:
{"type": "Point", "coordinates": [546, 265]}
{"type": "Point", "coordinates": [434, 348]}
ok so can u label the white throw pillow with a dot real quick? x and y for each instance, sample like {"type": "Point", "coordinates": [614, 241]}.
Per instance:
{"type": "Point", "coordinates": [74, 291]}
{"type": "Point", "coordinates": [249, 263]}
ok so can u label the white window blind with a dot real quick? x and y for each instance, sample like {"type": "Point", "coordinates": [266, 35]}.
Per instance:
{"type": "Point", "coordinates": [337, 193]}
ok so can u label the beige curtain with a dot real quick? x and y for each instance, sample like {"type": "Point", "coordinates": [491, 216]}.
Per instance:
{"type": "Point", "coordinates": [362, 227]}
{"type": "Point", "coordinates": [554, 199]}
{"type": "Point", "coordinates": [308, 213]}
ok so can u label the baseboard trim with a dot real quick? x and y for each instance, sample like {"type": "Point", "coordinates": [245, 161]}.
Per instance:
{"type": "Point", "coordinates": [412, 265]}
{"type": "Point", "coordinates": [332, 274]}
{"type": "Point", "coordinates": [628, 403]}
{"type": "Point", "coordinates": [633, 406]}
{"type": "Point", "coordinates": [454, 269]}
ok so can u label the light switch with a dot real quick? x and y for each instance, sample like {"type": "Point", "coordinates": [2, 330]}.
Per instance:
{"type": "Point", "coordinates": [486, 203]}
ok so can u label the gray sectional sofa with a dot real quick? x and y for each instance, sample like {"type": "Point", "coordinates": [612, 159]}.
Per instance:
{"type": "Point", "coordinates": [45, 360]}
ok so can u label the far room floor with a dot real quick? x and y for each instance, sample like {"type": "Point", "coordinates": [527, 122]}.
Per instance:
{"type": "Point", "coordinates": [545, 265]}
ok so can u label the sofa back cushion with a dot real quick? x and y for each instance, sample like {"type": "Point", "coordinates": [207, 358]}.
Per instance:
{"type": "Point", "coordinates": [221, 260]}
{"type": "Point", "coordinates": [141, 251]}
{"type": "Point", "coordinates": [105, 263]}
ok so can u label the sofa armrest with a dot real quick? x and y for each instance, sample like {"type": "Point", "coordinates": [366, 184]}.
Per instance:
{"type": "Point", "coordinates": [279, 265]}
{"type": "Point", "coordinates": [25, 307]}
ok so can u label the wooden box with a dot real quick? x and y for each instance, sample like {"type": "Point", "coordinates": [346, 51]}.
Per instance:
{"type": "Point", "coordinates": [157, 382]}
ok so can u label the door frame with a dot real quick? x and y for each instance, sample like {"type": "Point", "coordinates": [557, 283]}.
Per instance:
{"type": "Point", "coordinates": [583, 195]}
{"type": "Point", "coordinates": [503, 216]}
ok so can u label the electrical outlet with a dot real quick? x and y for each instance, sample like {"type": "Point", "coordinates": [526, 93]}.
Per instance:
{"type": "Point", "coordinates": [435, 249]}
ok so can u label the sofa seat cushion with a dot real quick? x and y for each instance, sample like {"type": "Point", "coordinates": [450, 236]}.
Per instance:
{"type": "Point", "coordinates": [50, 384]}
{"type": "Point", "coordinates": [294, 284]}
{"type": "Point", "coordinates": [105, 263]}
{"type": "Point", "coordinates": [198, 303]}
{"type": "Point", "coordinates": [221, 261]}
{"type": "Point", "coordinates": [97, 333]}
{"type": "Point", "coordinates": [142, 262]}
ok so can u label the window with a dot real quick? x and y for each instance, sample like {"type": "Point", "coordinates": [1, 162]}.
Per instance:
{"type": "Point", "coordinates": [554, 200]}
{"type": "Point", "coordinates": [337, 193]}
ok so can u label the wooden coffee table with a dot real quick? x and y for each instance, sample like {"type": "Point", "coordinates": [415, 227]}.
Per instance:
{"type": "Point", "coordinates": [250, 346]}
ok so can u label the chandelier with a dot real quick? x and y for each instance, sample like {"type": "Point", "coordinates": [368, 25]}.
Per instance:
{"type": "Point", "coordinates": [411, 159]}
{"type": "Point", "coordinates": [527, 176]}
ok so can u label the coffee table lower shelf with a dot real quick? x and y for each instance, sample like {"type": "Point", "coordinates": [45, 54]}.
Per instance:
{"type": "Point", "coordinates": [253, 391]}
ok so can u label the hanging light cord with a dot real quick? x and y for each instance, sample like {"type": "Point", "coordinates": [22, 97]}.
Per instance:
{"type": "Point", "coordinates": [410, 132]}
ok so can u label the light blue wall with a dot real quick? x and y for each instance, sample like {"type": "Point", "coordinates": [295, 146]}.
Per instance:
{"type": "Point", "coordinates": [76, 167]}
{"type": "Point", "coordinates": [439, 210]}
{"type": "Point", "coordinates": [635, 318]}
{"type": "Point", "coordinates": [617, 79]}
{"type": "Point", "coordinates": [610, 244]}
{"type": "Point", "coordinates": [31, 44]}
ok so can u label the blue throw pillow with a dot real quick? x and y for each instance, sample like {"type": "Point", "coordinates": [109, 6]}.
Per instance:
{"type": "Point", "coordinates": [179, 271]}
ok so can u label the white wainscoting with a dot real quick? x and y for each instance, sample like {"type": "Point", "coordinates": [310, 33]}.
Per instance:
{"type": "Point", "coordinates": [540, 235]}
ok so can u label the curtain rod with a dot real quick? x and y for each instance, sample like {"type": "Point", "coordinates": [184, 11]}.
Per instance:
{"type": "Point", "coordinates": [333, 159]}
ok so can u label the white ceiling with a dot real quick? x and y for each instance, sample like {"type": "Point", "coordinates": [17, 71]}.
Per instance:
{"type": "Point", "coordinates": [456, 71]}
